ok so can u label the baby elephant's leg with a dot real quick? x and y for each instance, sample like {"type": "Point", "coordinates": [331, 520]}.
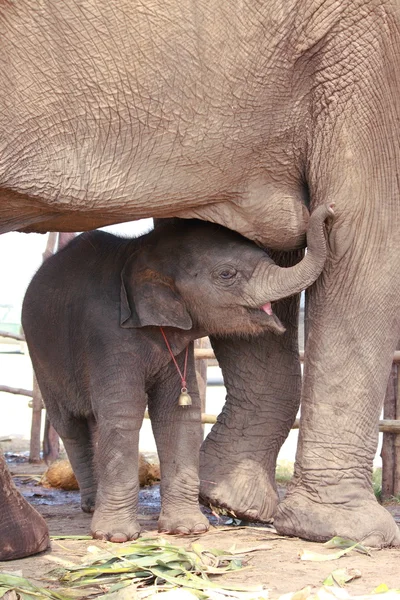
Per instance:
{"type": "Point", "coordinates": [78, 443]}
{"type": "Point", "coordinates": [178, 433]}
{"type": "Point", "coordinates": [119, 415]}
{"type": "Point", "coordinates": [76, 435]}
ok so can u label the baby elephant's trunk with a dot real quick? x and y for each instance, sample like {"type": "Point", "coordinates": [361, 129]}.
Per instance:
{"type": "Point", "coordinates": [284, 282]}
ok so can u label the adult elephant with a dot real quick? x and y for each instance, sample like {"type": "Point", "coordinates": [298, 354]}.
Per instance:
{"type": "Point", "coordinates": [249, 115]}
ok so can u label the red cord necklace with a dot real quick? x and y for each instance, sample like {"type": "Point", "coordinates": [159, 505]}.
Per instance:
{"type": "Point", "coordinates": [184, 398]}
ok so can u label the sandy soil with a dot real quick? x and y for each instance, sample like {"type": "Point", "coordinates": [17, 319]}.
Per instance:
{"type": "Point", "coordinates": [277, 566]}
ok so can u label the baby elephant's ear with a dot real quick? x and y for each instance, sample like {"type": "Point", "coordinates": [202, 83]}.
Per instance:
{"type": "Point", "coordinates": [150, 298]}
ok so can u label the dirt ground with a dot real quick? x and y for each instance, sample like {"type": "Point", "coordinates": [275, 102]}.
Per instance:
{"type": "Point", "coordinates": [277, 565]}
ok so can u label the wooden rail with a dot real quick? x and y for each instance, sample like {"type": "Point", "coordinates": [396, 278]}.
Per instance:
{"type": "Point", "coordinates": [13, 336]}
{"type": "Point", "coordinates": [199, 353]}
{"type": "Point", "coordinates": [207, 353]}
{"type": "Point", "coordinates": [12, 390]}
{"type": "Point", "coordinates": [385, 426]}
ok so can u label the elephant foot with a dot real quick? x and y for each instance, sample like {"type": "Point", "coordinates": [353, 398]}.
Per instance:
{"type": "Point", "coordinates": [182, 522]}
{"type": "Point", "coordinates": [367, 522]}
{"type": "Point", "coordinates": [244, 492]}
{"type": "Point", "coordinates": [114, 526]}
{"type": "Point", "coordinates": [88, 503]}
{"type": "Point", "coordinates": [23, 531]}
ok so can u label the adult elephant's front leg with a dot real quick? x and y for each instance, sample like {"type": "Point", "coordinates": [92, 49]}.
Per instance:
{"type": "Point", "coordinates": [353, 328]}
{"type": "Point", "coordinates": [263, 381]}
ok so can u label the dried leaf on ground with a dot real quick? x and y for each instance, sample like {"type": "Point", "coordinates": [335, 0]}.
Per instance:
{"type": "Point", "coordinates": [316, 557]}
{"type": "Point", "coordinates": [337, 593]}
{"type": "Point", "coordinates": [339, 542]}
{"type": "Point", "coordinates": [122, 572]}
{"type": "Point", "coordinates": [340, 577]}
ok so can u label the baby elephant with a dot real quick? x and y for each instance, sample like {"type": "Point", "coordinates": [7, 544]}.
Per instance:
{"type": "Point", "coordinates": [108, 323]}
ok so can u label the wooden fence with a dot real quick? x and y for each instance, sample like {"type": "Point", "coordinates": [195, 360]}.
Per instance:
{"type": "Point", "coordinates": [390, 425]}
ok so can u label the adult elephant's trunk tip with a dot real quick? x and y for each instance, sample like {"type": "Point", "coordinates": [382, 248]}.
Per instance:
{"type": "Point", "coordinates": [284, 282]}
{"type": "Point", "coordinates": [316, 240]}
{"type": "Point", "coordinates": [323, 211]}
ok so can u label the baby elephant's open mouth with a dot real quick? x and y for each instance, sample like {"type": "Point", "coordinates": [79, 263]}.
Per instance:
{"type": "Point", "coordinates": [267, 308]}
{"type": "Point", "coordinates": [268, 318]}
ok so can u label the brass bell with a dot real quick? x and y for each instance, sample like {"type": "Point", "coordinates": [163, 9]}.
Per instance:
{"type": "Point", "coordinates": [184, 398]}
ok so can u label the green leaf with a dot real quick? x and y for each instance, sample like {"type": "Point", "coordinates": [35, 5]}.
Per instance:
{"type": "Point", "coordinates": [383, 589]}
{"type": "Point", "coordinates": [216, 552]}
{"type": "Point", "coordinates": [339, 542]}
{"type": "Point", "coordinates": [27, 589]}
{"type": "Point", "coordinates": [119, 569]}
{"type": "Point", "coordinates": [198, 583]}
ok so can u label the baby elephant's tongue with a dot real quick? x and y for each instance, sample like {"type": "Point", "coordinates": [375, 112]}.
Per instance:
{"type": "Point", "coordinates": [267, 308]}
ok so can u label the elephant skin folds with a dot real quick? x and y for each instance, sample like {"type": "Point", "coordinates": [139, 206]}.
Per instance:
{"type": "Point", "coordinates": [252, 115]}
{"type": "Point", "coordinates": [124, 313]}
{"type": "Point", "coordinates": [23, 529]}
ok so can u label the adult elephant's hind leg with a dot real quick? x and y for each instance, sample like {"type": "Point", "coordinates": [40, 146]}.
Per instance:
{"type": "Point", "coordinates": [353, 330]}
{"type": "Point", "coordinates": [263, 381]}
{"type": "Point", "coordinates": [23, 530]}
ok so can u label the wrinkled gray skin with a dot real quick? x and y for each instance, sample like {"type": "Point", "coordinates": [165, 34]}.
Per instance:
{"type": "Point", "coordinates": [92, 317]}
{"type": "Point", "coordinates": [247, 114]}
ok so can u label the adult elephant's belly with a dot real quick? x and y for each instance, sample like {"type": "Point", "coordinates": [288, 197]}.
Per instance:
{"type": "Point", "coordinates": [75, 197]}
{"type": "Point", "coordinates": [167, 115]}
{"type": "Point", "coordinates": [99, 132]}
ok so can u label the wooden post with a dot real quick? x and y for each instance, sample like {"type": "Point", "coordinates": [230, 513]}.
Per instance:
{"type": "Point", "coordinates": [201, 373]}
{"type": "Point", "coordinates": [51, 440]}
{"type": "Point", "coordinates": [37, 403]}
{"type": "Point", "coordinates": [396, 483]}
{"type": "Point", "coordinates": [51, 245]}
{"type": "Point", "coordinates": [64, 237]}
{"type": "Point", "coordinates": [390, 452]}
{"type": "Point", "coordinates": [51, 443]}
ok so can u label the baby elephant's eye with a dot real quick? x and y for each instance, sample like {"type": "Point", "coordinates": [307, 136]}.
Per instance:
{"type": "Point", "coordinates": [228, 273]}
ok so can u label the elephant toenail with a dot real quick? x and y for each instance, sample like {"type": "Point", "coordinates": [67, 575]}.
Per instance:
{"type": "Point", "coordinates": [200, 528]}
{"type": "Point", "coordinates": [118, 538]}
{"type": "Point", "coordinates": [100, 535]}
{"type": "Point", "coordinates": [252, 514]}
{"type": "Point", "coordinates": [182, 530]}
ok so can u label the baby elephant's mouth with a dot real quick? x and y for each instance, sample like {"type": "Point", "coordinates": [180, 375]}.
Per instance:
{"type": "Point", "coordinates": [267, 308]}
{"type": "Point", "coordinates": [268, 318]}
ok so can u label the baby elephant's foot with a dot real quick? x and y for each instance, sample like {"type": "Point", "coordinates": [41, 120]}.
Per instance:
{"type": "Point", "coordinates": [88, 503]}
{"type": "Point", "coordinates": [115, 527]}
{"type": "Point", "coordinates": [183, 523]}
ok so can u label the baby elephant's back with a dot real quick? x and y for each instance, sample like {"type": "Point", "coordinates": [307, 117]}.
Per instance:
{"type": "Point", "coordinates": [62, 296]}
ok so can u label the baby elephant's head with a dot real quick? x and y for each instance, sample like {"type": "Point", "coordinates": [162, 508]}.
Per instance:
{"type": "Point", "coordinates": [194, 274]}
